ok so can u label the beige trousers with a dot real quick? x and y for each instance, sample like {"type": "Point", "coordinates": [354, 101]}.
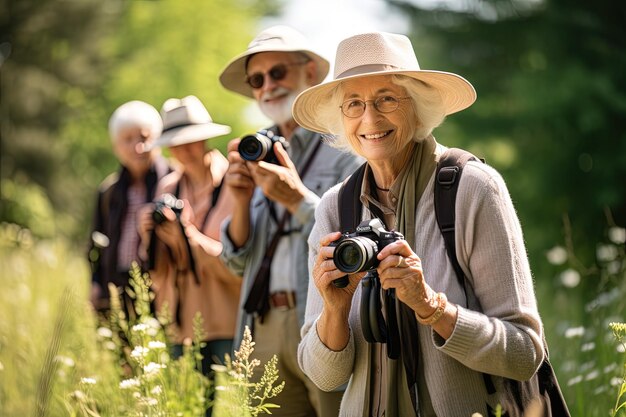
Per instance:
{"type": "Point", "coordinates": [279, 335]}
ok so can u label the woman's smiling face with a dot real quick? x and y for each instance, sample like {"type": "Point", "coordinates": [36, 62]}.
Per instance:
{"type": "Point", "coordinates": [376, 135]}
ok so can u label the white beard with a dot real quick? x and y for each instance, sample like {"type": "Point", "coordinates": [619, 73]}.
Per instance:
{"type": "Point", "coordinates": [279, 112]}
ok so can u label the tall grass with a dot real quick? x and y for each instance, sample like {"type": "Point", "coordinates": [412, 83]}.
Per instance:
{"type": "Point", "coordinates": [577, 308]}
{"type": "Point", "coordinates": [57, 359]}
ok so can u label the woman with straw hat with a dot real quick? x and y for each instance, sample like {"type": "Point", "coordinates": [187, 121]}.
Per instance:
{"type": "Point", "coordinates": [382, 106]}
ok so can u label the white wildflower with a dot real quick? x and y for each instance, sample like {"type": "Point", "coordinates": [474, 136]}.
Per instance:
{"type": "Point", "coordinates": [157, 390]}
{"type": "Point", "coordinates": [153, 326]}
{"type": "Point", "coordinates": [152, 368]}
{"type": "Point", "coordinates": [110, 345]}
{"type": "Point", "coordinates": [574, 332]}
{"type": "Point", "coordinates": [573, 381]}
{"type": "Point", "coordinates": [615, 381]}
{"type": "Point", "coordinates": [69, 362]}
{"type": "Point", "coordinates": [140, 328]}
{"type": "Point", "coordinates": [78, 394]}
{"type": "Point", "coordinates": [88, 381]}
{"type": "Point", "coordinates": [136, 394]}
{"type": "Point", "coordinates": [570, 278]}
{"type": "Point", "coordinates": [614, 267]}
{"type": "Point", "coordinates": [587, 347]}
{"type": "Point", "coordinates": [155, 344]}
{"type": "Point", "coordinates": [129, 383]}
{"type": "Point", "coordinates": [599, 390]}
{"type": "Point", "coordinates": [592, 375]}
{"type": "Point", "coordinates": [139, 352]}
{"type": "Point", "coordinates": [557, 255]}
{"type": "Point", "coordinates": [104, 332]}
{"type": "Point", "coordinates": [617, 235]}
{"type": "Point", "coordinates": [149, 401]}
{"type": "Point", "coordinates": [606, 253]}
{"type": "Point", "coordinates": [610, 368]}
{"type": "Point", "coordinates": [620, 348]}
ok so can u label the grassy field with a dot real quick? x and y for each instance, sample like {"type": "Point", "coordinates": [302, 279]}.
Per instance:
{"type": "Point", "coordinates": [52, 351]}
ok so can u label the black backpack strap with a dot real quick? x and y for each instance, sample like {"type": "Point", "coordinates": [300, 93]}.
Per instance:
{"type": "Point", "coordinates": [448, 175]}
{"type": "Point", "coordinates": [350, 205]}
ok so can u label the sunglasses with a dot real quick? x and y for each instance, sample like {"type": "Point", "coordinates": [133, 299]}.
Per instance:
{"type": "Point", "coordinates": [277, 72]}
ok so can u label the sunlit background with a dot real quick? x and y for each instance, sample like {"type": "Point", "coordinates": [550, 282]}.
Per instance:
{"type": "Point", "coordinates": [550, 116]}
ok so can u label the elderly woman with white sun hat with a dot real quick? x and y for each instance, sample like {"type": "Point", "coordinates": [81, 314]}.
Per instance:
{"type": "Point", "coordinates": [383, 107]}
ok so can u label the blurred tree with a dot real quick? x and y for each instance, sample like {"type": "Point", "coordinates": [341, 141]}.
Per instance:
{"type": "Point", "coordinates": [48, 51]}
{"type": "Point", "coordinates": [71, 63]}
{"type": "Point", "coordinates": [551, 103]}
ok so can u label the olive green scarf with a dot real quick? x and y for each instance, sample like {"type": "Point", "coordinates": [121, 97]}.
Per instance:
{"type": "Point", "coordinates": [413, 181]}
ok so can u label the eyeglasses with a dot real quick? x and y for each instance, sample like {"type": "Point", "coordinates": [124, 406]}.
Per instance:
{"type": "Point", "coordinates": [355, 107]}
{"type": "Point", "coordinates": [276, 73]}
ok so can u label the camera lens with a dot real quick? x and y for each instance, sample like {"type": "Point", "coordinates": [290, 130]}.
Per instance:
{"type": "Point", "coordinates": [355, 254]}
{"type": "Point", "coordinates": [254, 148]}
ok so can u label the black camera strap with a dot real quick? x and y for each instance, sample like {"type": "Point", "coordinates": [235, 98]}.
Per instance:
{"type": "Point", "coordinates": [258, 298]}
{"type": "Point", "coordinates": [375, 328]}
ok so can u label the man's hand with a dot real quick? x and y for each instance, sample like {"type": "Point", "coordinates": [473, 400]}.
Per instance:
{"type": "Point", "coordinates": [280, 183]}
{"type": "Point", "coordinates": [238, 177]}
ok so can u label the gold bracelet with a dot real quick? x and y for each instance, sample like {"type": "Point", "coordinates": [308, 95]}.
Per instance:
{"type": "Point", "coordinates": [442, 301]}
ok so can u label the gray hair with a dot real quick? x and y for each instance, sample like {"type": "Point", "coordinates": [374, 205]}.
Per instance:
{"type": "Point", "coordinates": [135, 114]}
{"type": "Point", "coordinates": [427, 104]}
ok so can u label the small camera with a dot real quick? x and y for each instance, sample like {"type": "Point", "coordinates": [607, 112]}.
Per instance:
{"type": "Point", "coordinates": [166, 200]}
{"type": "Point", "coordinates": [260, 146]}
{"type": "Point", "coordinates": [356, 252]}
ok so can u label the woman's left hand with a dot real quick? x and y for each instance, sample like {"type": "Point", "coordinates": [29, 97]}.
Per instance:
{"type": "Point", "coordinates": [400, 268]}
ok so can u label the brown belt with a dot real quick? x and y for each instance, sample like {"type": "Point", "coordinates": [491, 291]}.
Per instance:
{"type": "Point", "coordinates": [283, 300]}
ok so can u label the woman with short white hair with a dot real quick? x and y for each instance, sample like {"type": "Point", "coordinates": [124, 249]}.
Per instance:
{"type": "Point", "coordinates": [115, 240]}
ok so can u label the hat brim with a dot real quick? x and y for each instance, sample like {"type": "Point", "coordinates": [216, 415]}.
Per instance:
{"type": "Point", "coordinates": [456, 93]}
{"type": "Point", "coordinates": [189, 134]}
{"type": "Point", "coordinates": [233, 76]}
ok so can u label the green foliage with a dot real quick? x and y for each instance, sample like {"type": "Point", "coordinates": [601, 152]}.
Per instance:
{"type": "Point", "coordinates": [58, 359]}
{"type": "Point", "coordinates": [72, 63]}
{"type": "Point", "coordinates": [237, 394]}
{"type": "Point", "coordinates": [583, 352]}
{"type": "Point", "coordinates": [42, 317]}
{"type": "Point", "coordinates": [551, 99]}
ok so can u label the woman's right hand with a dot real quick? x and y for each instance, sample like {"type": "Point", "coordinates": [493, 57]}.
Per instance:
{"type": "Point", "coordinates": [325, 272]}
{"type": "Point", "coordinates": [332, 327]}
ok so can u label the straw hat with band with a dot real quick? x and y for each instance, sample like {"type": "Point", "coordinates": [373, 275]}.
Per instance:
{"type": "Point", "coordinates": [273, 39]}
{"type": "Point", "coordinates": [186, 120]}
{"type": "Point", "coordinates": [372, 54]}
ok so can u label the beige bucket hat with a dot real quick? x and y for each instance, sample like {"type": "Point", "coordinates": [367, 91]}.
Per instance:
{"type": "Point", "coordinates": [274, 39]}
{"type": "Point", "coordinates": [186, 120]}
{"type": "Point", "coordinates": [380, 53]}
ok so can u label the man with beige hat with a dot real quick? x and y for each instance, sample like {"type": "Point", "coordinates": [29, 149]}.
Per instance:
{"type": "Point", "coordinates": [265, 239]}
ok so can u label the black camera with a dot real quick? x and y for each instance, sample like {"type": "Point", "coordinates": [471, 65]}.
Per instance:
{"type": "Point", "coordinates": [166, 200]}
{"type": "Point", "coordinates": [260, 146]}
{"type": "Point", "coordinates": [356, 252]}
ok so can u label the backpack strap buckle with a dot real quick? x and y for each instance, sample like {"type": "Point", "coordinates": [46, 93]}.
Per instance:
{"type": "Point", "coordinates": [447, 175]}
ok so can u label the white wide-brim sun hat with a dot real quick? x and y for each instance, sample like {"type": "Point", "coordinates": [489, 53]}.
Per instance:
{"type": "Point", "coordinates": [186, 120]}
{"type": "Point", "coordinates": [274, 39]}
{"type": "Point", "coordinates": [374, 54]}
